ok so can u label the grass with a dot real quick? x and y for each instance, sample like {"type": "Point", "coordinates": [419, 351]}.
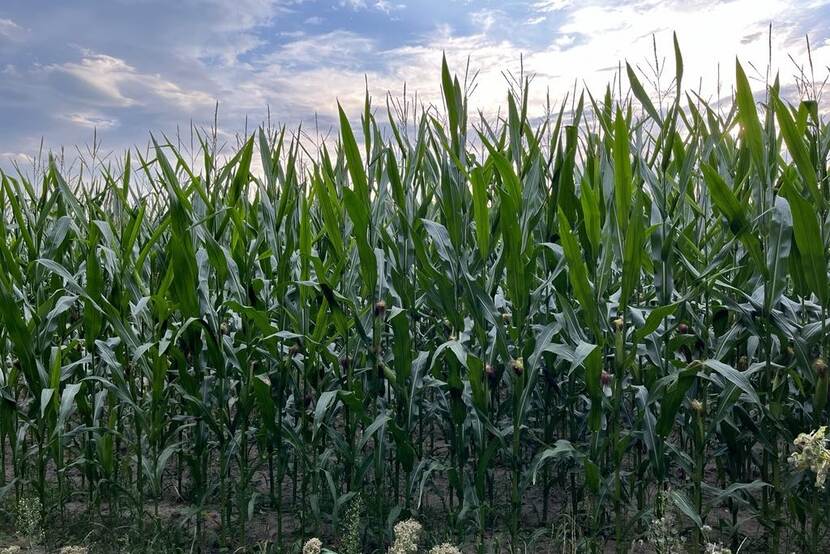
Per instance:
{"type": "Point", "coordinates": [564, 334]}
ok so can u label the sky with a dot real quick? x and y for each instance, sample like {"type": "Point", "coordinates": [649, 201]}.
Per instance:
{"type": "Point", "coordinates": [118, 70]}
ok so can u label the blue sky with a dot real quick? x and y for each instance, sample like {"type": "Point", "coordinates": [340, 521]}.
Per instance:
{"type": "Point", "coordinates": [124, 68]}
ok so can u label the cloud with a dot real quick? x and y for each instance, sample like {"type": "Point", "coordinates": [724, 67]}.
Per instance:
{"type": "Point", "coordinates": [388, 7]}
{"type": "Point", "coordinates": [552, 5]}
{"type": "Point", "coordinates": [10, 30]}
{"type": "Point", "coordinates": [485, 19]}
{"type": "Point", "coordinates": [563, 41]}
{"type": "Point", "coordinates": [119, 84]}
{"type": "Point", "coordinates": [384, 6]}
{"type": "Point", "coordinates": [338, 48]}
{"type": "Point", "coordinates": [711, 35]}
{"type": "Point", "coordinates": [17, 157]}
{"type": "Point", "coordinates": [590, 40]}
{"type": "Point", "coordinates": [127, 71]}
{"type": "Point", "coordinates": [91, 120]}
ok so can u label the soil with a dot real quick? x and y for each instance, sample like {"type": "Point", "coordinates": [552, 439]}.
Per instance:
{"type": "Point", "coordinates": [169, 527]}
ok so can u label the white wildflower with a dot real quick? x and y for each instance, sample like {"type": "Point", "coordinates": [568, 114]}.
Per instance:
{"type": "Point", "coordinates": [407, 535]}
{"type": "Point", "coordinates": [73, 550]}
{"type": "Point", "coordinates": [663, 534]}
{"type": "Point", "coordinates": [716, 548]}
{"type": "Point", "coordinates": [313, 546]}
{"type": "Point", "coordinates": [445, 548]}
{"type": "Point", "coordinates": [28, 518]}
{"type": "Point", "coordinates": [812, 453]}
{"type": "Point", "coordinates": [350, 536]}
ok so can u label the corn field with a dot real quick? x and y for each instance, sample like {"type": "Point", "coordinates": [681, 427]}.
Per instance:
{"type": "Point", "coordinates": [563, 331]}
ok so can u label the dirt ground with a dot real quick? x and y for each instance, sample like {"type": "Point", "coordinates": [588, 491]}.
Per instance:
{"type": "Point", "coordinates": [169, 527]}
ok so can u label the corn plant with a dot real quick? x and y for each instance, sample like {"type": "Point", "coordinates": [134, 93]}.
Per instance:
{"type": "Point", "coordinates": [581, 325]}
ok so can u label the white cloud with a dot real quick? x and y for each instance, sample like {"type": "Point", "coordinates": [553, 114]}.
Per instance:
{"type": "Point", "coordinates": [122, 85]}
{"type": "Point", "coordinates": [587, 48]}
{"type": "Point", "coordinates": [91, 120]}
{"type": "Point", "coordinates": [485, 19]}
{"type": "Point", "coordinates": [552, 5]}
{"type": "Point", "coordinates": [10, 30]}
{"type": "Point", "coordinates": [564, 41]}
{"type": "Point", "coordinates": [224, 54]}
{"type": "Point", "coordinates": [336, 48]}
{"type": "Point", "coordinates": [711, 34]}
{"type": "Point", "coordinates": [388, 7]}
{"type": "Point", "coordinates": [381, 5]}
{"type": "Point", "coordinates": [17, 157]}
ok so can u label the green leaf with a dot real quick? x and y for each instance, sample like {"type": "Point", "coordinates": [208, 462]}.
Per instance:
{"type": "Point", "coordinates": [353, 159]}
{"type": "Point", "coordinates": [748, 117]}
{"type": "Point", "coordinates": [737, 378]}
{"type": "Point", "coordinates": [798, 150]}
{"type": "Point", "coordinates": [481, 214]}
{"type": "Point", "coordinates": [591, 213]}
{"type": "Point", "coordinates": [67, 403]}
{"type": "Point", "coordinates": [578, 274]}
{"type": "Point", "coordinates": [642, 96]}
{"type": "Point", "coordinates": [632, 254]}
{"type": "Point", "coordinates": [682, 502]}
{"type": "Point", "coordinates": [509, 178]}
{"type": "Point", "coordinates": [653, 320]}
{"type": "Point", "coordinates": [734, 212]}
{"type": "Point", "coordinates": [451, 101]}
{"type": "Point", "coordinates": [676, 389]}
{"type": "Point", "coordinates": [359, 215]}
{"type": "Point", "coordinates": [622, 172]}
{"type": "Point", "coordinates": [562, 449]}
{"type": "Point", "coordinates": [778, 251]}
{"type": "Point", "coordinates": [678, 65]}
{"type": "Point", "coordinates": [807, 237]}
